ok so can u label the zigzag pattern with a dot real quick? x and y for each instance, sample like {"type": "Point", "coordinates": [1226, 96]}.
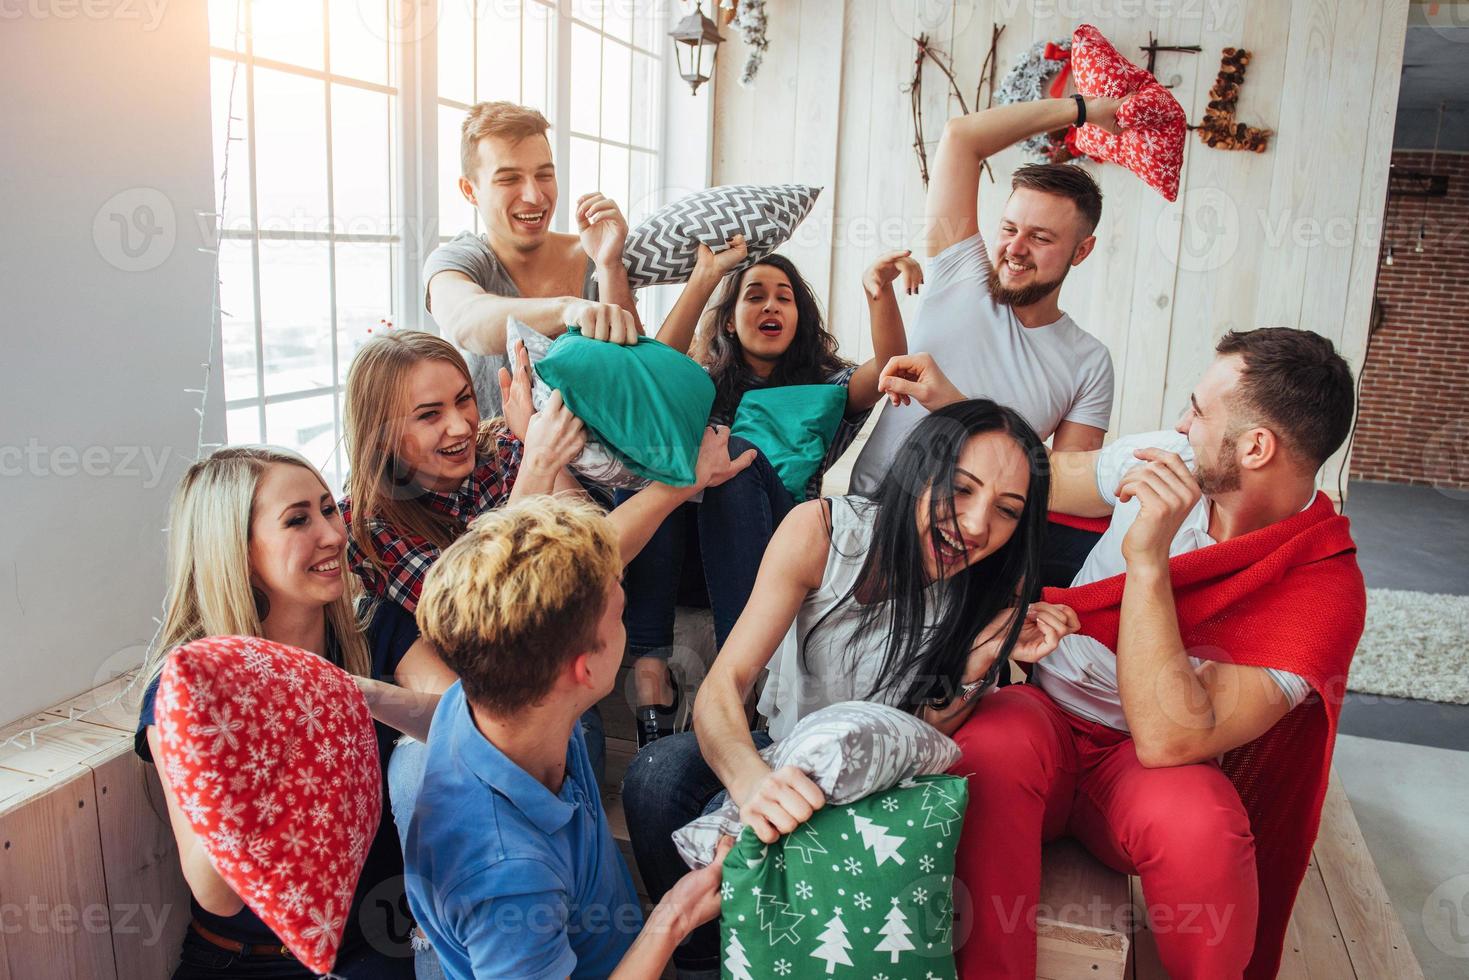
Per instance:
{"type": "Point", "coordinates": [663, 247]}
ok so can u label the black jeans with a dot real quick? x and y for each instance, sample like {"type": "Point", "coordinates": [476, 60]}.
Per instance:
{"type": "Point", "coordinates": [202, 960]}
{"type": "Point", "coordinates": [667, 785]}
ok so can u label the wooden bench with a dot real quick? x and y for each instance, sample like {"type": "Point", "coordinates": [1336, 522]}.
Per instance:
{"type": "Point", "coordinates": [90, 887]}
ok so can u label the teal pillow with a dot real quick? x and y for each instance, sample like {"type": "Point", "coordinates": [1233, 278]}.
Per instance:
{"type": "Point", "coordinates": [646, 403]}
{"type": "Point", "coordinates": [793, 425]}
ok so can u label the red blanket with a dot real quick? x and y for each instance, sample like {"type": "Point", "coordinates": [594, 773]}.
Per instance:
{"type": "Point", "coordinates": [1288, 596]}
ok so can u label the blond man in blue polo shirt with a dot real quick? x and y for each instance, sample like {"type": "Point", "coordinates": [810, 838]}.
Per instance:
{"type": "Point", "coordinates": [512, 870]}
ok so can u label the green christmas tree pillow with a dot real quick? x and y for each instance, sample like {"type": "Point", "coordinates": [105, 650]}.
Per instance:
{"type": "Point", "coordinates": [864, 890]}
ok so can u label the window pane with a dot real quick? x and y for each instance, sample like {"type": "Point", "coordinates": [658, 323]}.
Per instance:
{"type": "Point", "coordinates": [617, 17]}
{"type": "Point", "coordinates": [455, 213]}
{"type": "Point", "coordinates": [647, 99]}
{"type": "Point", "coordinates": [499, 52]}
{"type": "Point", "coordinates": [237, 320]}
{"type": "Point", "coordinates": [360, 160]}
{"type": "Point", "coordinates": [290, 151]}
{"type": "Point", "coordinates": [221, 71]}
{"type": "Point", "coordinates": [537, 45]}
{"type": "Point", "coordinates": [583, 176]}
{"type": "Point", "coordinates": [616, 82]}
{"type": "Point", "coordinates": [588, 11]}
{"type": "Point", "coordinates": [642, 191]}
{"type": "Point", "coordinates": [289, 31]}
{"type": "Point", "coordinates": [224, 15]}
{"type": "Point", "coordinates": [359, 39]}
{"type": "Point", "coordinates": [295, 316]}
{"type": "Point", "coordinates": [455, 34]}
{"type": "Point", "coordinates": [242, 425]}
{"type": "Point", "coordinates": [613, 179]}
{"type": "Point", "coordinates": [586, 80]}
{"type": "Point", "coordinates": [306, 425]}
{"type": "Point", "coordinates": [364, 298]}
{"type": "Point", "coordinates": [651, 26]}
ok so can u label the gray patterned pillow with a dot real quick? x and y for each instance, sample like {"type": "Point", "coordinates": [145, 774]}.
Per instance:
{"type": "Point", "coordinates": [662, 248]}
{"type": "Point", "coordinates": [851, 750]}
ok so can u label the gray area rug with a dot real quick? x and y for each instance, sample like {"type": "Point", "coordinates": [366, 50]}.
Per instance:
{"type": "Point", "coordinates": [1416, 645]}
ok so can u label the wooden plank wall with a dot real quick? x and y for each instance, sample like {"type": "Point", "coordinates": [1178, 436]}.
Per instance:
{"type": "Point", "coordinates": [1289, 237]}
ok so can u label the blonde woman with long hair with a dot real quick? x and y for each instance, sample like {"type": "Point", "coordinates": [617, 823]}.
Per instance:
{"type": "Point", "coordinates": [257, 547]}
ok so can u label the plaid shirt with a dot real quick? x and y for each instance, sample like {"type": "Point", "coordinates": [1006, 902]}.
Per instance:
{"type": "Point", "coordinates": [408, 557]}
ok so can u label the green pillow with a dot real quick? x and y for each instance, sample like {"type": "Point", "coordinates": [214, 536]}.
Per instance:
{"type": "Point", "coordinates": [793, 425]}
{"type": "Point", "coordinates": [867, 887]}
{"type": "Point", "coordinates": [646, 403]}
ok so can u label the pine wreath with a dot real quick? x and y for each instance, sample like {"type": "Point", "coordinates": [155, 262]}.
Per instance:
{"type": "Point", "coordinates": [1029, 80]}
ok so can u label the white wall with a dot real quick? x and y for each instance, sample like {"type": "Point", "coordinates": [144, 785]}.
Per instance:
{"type": "Point", "coordinates": [101, 99]}
{"type": "Point", "coordinates": [1289, 237]}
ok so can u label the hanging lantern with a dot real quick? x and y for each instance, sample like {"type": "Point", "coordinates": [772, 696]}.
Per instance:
{"type": "Point", "coordinates": [696, 42]}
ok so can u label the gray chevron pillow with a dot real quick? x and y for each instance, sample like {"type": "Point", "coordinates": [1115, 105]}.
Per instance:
{"type": "Point", "coordinates": [663, 247]}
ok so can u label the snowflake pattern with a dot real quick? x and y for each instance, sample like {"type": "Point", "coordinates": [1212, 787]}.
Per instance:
{"type": "Point", "coordinates": [890, 804]}
{"type": "Point", "coordinates": [920, 895]}
{"type": "Point", "coordinates": [925, 863]}
{"type": "Point", "coordinates": [783, 967]}
{"type": "Point", "coordinates": [726, 891]}
{"type": "Point", "coordinates": [274, 757]}
{"type": "Point", "coordinates": [853, 866]}
{"type": "Point", "coordinates": [862, 901]}
{"type": "Point", "coordinates": [803, 890]}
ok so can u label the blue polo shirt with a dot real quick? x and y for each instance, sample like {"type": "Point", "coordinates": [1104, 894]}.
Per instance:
{"type": "Point", "coordinates": [508, 879]}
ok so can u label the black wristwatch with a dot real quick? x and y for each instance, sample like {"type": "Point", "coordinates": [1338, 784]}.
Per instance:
{"type": "Point", "coordinates": [1080, 110]}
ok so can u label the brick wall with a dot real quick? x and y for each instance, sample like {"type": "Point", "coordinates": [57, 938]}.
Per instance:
{"type": "Point", "coordinates": [1414, 423]}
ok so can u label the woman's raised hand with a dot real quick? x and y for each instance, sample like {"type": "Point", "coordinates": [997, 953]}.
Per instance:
{"type": "Point", "coordinates": [780, 802]}
{"type": "Point", "coordinates": [889, 267]}
{"type": "Point", "coordinates": [722, 263]}
{"type": "Point", "coordinates": [1045, 624]}
{"type": "Point", "coordinates": [515, 392]}
{"type": "Point", "coordinates": [554, 436]}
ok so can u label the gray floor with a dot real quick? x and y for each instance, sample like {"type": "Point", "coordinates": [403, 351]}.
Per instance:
{"type": "Point", "coordinates": [1403, 763]}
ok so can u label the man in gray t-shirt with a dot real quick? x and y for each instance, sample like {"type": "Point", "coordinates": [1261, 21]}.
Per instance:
{"type": "Point", "coordinates": [991, 318]}
{"type": "Point", "coordinates": [519, 267]}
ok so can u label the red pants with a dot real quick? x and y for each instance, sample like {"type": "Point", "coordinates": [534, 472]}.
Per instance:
{"type": "Point", "coordinates": [1037, 772]}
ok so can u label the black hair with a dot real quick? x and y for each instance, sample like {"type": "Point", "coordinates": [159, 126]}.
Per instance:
{"type": "Point", "coordinates": [811, 358]}
{"type": "Point", "coordinates": [930, 659]}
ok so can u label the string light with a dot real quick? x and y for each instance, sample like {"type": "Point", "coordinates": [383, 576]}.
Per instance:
{"type": "Point", "coordinates": [29, 734]}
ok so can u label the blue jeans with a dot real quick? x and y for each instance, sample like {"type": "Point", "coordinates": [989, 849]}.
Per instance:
{"type": "Point", "coordinates": [405, 780]}
{"type": "Point", "coordinates": [729, 530]}
{"type": "Point", "coordinates": [667, 785]}
{"type": "Point", "coordinates": [200, 959]}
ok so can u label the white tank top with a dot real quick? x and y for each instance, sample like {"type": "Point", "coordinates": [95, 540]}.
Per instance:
{"type": "Point", "coordinates": [839, 665]}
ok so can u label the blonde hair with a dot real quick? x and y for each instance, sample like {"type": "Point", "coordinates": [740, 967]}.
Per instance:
{"type": "Point", "coordinates": [518, 596]}
{"type": "Point", "coordinates": [376, 410]}
{"type": "Point", "coordinates": [209, 592]}
{"type": "Point", "coordinates": [498, 120]}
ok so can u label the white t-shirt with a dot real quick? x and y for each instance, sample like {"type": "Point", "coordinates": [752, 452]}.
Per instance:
{"type": "Point", "coordinates": [1081, 674]}
{"type": "Point", "coordinates": [1050, 374]}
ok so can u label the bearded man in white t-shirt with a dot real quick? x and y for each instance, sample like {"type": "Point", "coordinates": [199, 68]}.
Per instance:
{"type": "Point", "coordinates": [993, 321]}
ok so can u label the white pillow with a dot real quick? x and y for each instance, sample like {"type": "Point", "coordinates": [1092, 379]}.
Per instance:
{"type": "Point", "coordinates": [663, 247]}
{"type": "Point", "coordinates": [851, 750]}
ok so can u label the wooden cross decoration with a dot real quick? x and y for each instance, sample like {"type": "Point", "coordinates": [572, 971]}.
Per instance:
{"type": "Point", "coordinates": [1153, 47]}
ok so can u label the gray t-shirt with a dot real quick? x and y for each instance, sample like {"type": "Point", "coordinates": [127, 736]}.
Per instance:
{"type": "Point", "coordinates": [471, 254]}
{"type": "Point", "coordinates": [1050, 374]}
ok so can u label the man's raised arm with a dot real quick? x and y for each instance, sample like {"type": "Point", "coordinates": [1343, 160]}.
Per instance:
{"type": "Point", "coordinates": [953, 189]}
{"type": "Point", "coordinates": [475, 320]}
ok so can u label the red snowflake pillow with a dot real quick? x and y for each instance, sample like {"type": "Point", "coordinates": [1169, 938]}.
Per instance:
{"type": "Point", "coordinates": [1152, 123]}
{"type": "Point", "coordinates": [271, 752]}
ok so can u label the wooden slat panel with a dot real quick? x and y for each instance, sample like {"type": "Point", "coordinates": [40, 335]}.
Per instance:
{"type": "Point", "coordinates": [145, 886]}
{"type": "Point", "coordinates": [1375, 939]}
{"type": "Point", "coordinates": [121, 714]}
{"type": "Point", "coordinates": [1314, 948]}
{"type": "Point", "coordinates": [57, 751]}
{"type": "Point", "coordinates": [1082, 903]}
{"type": "Point", "coordinates": [51, 864]}
{"type": "Point", "coordinates": [1145, 963]}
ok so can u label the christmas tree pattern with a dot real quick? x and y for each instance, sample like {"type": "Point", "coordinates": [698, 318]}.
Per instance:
{"type": "Point", "coordinates": [804, 843]}
{"type": "Point", "coordinates": [940, 809]}
{"type": "Point", "coordinates": [776, 918]}
{"type": "Point", "coordinates": [834, 944]}
{"type": "Point", "coordinates": [736, 964]}
{"type": "Point", "coordinates": [877, 839]}
{"type": "Point", "coordinates": [895, 932]}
